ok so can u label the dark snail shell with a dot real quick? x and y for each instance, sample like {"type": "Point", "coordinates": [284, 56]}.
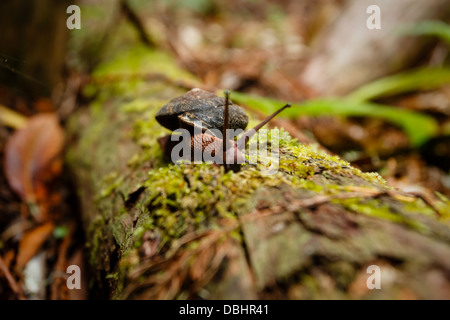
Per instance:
{"type": "Point", "coordinates": [203, 106]}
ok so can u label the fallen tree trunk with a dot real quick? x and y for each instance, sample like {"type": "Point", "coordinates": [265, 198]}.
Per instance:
{"type": "Point", "coordinates": [165, 231]}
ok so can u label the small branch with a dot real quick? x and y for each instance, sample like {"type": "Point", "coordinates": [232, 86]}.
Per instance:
{"type": "Point", "coordinates": [134, 19]}
{"type": "Point", "coordinates": [15, 287]}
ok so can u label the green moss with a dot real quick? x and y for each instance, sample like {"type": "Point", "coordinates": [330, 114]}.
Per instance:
{"type": "Point", "coordinates": [137, 106]}
{"type": "Point", "coordinates": [111, 182]}
{"type": "Point", "coordinates": [141, 60]}
{"type": "Point", "coordinates": [387, 211]}
{"type": "Point", "coordinates": [371, 207]}
{"type": "Point", "coordinates": [419, 207]}
{"type": "Point", "coordinates": [96, 236]}
{"type": "Point", "coordinates": [304, 161]}
{"type": "Point", "coordinates": [185, 196]}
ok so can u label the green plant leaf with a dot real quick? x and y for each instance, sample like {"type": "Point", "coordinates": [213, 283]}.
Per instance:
{"type": "Point", "coordinates": [430, 28]}
{"type": "Point", "coordinates": [418, 79]}
{"type": "Point", "coordinates": [418, 127]}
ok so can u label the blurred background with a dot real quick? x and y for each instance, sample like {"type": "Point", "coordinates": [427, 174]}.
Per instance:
{"type": "Point", "coordinates": [372, 86]}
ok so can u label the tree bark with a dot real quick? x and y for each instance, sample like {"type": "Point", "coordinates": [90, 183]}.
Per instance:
{"type": "Point", "coordinates": [33, 41]}
{"type": "Point", "coordinates": [162, 231]}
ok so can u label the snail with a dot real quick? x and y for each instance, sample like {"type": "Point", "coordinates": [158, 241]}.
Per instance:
{"type": "Point", "coordinates": [202, 114]}
{"type": "Point", "coordinates": [203, 106]}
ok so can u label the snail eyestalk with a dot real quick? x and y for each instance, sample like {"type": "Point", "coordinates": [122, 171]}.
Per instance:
{"type": "Point", "coordinates": [242, 142]}
{"type": "Point", "coordinates": [226, 121]}
{"type": "Point", "coordinates": [249, 162]}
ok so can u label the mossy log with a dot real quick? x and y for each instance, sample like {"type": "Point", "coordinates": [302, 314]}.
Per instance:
{"type": "Point", "coordinates": [157, 230]}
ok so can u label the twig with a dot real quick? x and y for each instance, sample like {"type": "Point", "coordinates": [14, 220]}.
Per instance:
{"type": "Point", "coordinates": [61, 263]}
{"type": "Point", "coordinates": [322, 199]}
{"type": "Point", "coordinates": [418, 194]}
{"type": "Point", "coordinates": [137, 23]}
{"type": "Point", "coordinates": [15, 287]}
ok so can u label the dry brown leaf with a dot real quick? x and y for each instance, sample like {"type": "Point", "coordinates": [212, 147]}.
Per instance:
{"type": "Point", "coordinates": [30, 153]}
{"type": "Point", "coordinates": [31, 242]}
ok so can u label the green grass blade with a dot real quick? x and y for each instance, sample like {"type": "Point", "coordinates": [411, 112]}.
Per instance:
{"type": "Point", "coordinates": [418, 127]}
{"type": "Point", "coordinates": [431, 28]}
{"type": "Point", "coordinates": [418, 79]}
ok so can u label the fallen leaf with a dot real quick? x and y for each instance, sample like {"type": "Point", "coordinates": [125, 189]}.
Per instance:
{"type": "Point", "coordinates": [30, 153]}
{"type": "Point", "coordinates": [11, 118]}
{"type": "Point", "coordinates": [31, 242]}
